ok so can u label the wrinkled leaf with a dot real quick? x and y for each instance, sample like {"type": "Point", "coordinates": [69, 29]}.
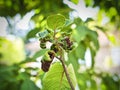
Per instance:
{"type": "Point", "coordinates": [55, 21]}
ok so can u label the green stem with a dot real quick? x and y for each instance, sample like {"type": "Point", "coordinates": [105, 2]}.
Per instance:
{"type": "Point", "coordinates": [54, 36]}
{"type": "Point", "coordinates": [63, 63]}
{"type": "Point", "coordinates": [66, 73]}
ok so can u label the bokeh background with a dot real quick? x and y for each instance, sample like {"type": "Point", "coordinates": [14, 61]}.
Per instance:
{"type": "Point", "coordinates": [21, 20]}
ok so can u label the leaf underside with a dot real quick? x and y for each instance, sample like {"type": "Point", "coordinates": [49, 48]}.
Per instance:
{"type": "Point", "coordinates": [55, 78]}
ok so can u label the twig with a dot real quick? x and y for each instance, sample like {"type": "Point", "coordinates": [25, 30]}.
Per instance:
{"type": "Point", "coordinates": [63, 64]}
{"type": "Point", "coordinates": [66, 73]}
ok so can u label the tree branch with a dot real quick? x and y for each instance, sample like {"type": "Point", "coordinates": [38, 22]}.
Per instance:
{"type": "Point", "coordinates": [63, 64]}
{"type": "Point", "coordinates": [66, 73]}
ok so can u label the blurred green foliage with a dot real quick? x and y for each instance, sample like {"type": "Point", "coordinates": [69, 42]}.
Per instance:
{"type": "Point", "coordinates": [111, 9]}
{"type": "Point", "coordinates": [16, 74]}
{"type": "Point", "coordinates": [13, 7]}
{"type": "Point", "coordinates": [11, 51]}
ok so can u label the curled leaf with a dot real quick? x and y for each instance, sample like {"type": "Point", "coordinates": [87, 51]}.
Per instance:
{"type": "Point", "coordinates": [46, 65]}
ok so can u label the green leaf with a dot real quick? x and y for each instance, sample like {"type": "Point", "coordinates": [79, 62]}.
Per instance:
{"type": "Point", "coordinates": [29, 85]}
{"type": "Point", "coordinates": [111, 37]}
{"type": "Point", "coordinates": [93, 53]}
{"type": "Point", "coordinates": [93, 84]}
{"type": "Point", "coordinates": [43, 34]}
{"type": "Point", "coordinates": [46, 57]}
{"type": "Point", "coordinates": [101, 28]}
{"type": "Point", "coordinates": [82, 33]}
{"type": "Point", "coordinates": [82, 78]}
{"type": "Point", "coordinates": [75, 55]}
{"type": "Point", "coordinates": [40, 53]}
{"type": "Point", "coordinates": [85, 38]}
{"type": "Point", "coordinates": [89, 20]}
{"type": "Point", "coordinates": [85, 82]}
{"type": "Point", "coordinates": [32, 33]}
{"type": "Point", "coordinates": [109, 84]}
{"type": "Point", "coordinates": [88, 2]}
{"type": "Point", "coordinates": [78, 21]}
{"type": "Point", "coordinates": [75, 1]}
{"type": "Point", "coordinates": [55, 78]}
{"type": "Point", "coordinates": [23, 76]}
{"type": "Point", "coordinates": [92, 35]}
{"type": "Point", "coordinates": [68, 22]}
{"type": "Point", "coordinates": [79, 33]}
{"type": "Point", "coordinates": [80, 50]}
{"type": "Point", "coordinates": [7, 73]}
{"type": "Point", "coordinates": [73, 60]}
{"type": "Point", "coordinates": [72, 74]}
{"type": "Point", "coordinates": [55, 21]}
